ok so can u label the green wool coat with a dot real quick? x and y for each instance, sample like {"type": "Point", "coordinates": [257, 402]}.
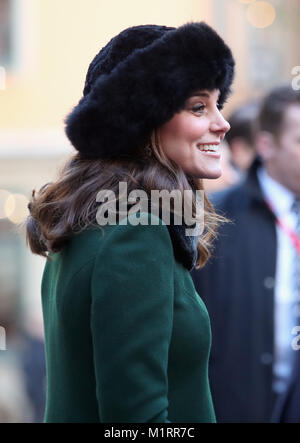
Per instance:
{"type": "Point", "coordinates": [127, 337]}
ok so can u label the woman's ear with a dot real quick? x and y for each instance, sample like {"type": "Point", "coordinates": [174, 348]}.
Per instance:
{"type": "Point", "coordinates": [265, 145]}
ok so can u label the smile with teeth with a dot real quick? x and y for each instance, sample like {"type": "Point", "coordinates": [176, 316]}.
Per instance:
{"type": "Point", "coordinates": [209, 148]}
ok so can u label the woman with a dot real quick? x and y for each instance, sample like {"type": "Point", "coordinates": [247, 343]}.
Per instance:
{"type": "Point", "coordinates": [127, 336]}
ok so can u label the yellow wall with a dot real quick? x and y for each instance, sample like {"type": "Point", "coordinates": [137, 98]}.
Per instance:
{"type": "Point", "coordinates": [60, 37]}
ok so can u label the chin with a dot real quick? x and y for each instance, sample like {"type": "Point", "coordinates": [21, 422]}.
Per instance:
{"type": "Point", "coordinates": [210, 175]}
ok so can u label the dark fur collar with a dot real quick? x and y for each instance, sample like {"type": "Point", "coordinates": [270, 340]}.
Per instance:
{"type": "Point", "coordinates": [185, 247]}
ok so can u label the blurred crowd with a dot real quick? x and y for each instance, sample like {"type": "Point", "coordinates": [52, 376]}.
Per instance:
{"type": "Point", "coordinates": [22, 367]}
{"type": "Point", "coordinates": [251, 285]}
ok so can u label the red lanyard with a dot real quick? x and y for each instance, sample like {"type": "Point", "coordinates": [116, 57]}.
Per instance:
{"type": "Point", "coordinates": [294, 237]}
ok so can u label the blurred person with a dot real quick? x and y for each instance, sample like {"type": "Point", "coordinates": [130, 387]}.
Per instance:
{"type": "Point", "coordinates": [238, 148]}
{"type": "Point", "coordinates": [240, 138]}
{"type": "Point", "coordinates": [127, 336]}
{"type": "Point", "coordinates": [15, 404]}
{"type": "Point", "coordinates": [287, 409]}
{"type": "Point", "coordinates": [34, 372]}
{"type": "Point", "coordinates": [249, 285]}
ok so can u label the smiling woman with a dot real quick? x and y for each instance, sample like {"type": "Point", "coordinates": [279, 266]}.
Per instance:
{"type": "Point", "coordinates": [127, 336]}
{"type": "Point", "coordinates": [192, 137]}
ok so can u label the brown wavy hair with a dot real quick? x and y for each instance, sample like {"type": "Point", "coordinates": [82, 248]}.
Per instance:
{"type": "Point", "coordinates": [68, 205]}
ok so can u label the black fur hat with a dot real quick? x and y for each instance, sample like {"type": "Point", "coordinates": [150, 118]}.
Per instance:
{"type": "Point", "coordinates": [139, 80]}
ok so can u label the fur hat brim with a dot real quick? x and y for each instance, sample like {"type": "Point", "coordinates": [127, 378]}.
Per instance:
{"type": "Point", "coordinates": [144, 90]}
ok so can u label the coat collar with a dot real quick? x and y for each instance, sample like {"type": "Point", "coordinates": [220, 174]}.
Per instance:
{"type": "Point", "coordinates": [184, 246]}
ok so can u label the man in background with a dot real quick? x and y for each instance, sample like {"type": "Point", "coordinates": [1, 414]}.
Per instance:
{"type": "Point", "coordinates": [240, 138]}
{"type": "Point", "coordinates": [250, 285]}
{"type": "Point", "coordinates": [237, 149]}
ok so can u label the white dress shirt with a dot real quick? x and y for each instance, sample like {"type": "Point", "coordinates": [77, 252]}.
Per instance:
{"type": "Point", "coordinates": [281, 200]}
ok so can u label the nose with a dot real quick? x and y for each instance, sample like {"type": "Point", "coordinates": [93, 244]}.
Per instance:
{"type": "Point", "coordinates": [219, 124]}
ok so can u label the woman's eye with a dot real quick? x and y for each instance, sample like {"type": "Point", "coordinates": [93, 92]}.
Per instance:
{"type": "Point", "coordinates": [199, 108]}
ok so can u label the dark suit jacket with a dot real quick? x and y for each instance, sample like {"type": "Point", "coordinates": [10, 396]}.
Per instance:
{"type": "Point", "coordinates": [237, 286]}
{"type": "Point", "coordinates": [287, 409]}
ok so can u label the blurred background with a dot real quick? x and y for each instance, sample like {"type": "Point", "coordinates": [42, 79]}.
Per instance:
{"type": "Point", "coordinates": [45, 49]}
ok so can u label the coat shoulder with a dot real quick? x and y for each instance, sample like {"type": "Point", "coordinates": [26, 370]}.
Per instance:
{"type": "Point", "coordinates": [137, 235]}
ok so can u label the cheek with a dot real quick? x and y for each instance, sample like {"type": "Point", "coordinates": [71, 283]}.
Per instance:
{"type": "Point", "coordinates": [289, 150]}
{"type": "Point", "coordinates": [182, 129]}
